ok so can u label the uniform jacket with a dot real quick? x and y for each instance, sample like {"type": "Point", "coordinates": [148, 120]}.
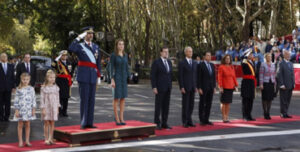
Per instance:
{"type": "Point", "coordinates": [86, 74]}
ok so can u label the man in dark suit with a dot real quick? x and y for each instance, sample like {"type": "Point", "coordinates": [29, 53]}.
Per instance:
{"type": "Point", "coordinates": [64, 71]}
{"type": "Point", "coordinates": [286, 80]}
{"type": "Point", "coordinates": [26, 66]}
{"type": "Point", "coordinates": [88, 74]}
{"type": "Point", "coordinates": [7, 81]}
{"type": "Point", "coordinates": [161, 80]}
{"type": "Point", "coordinates": [187, 79]}
{"type": "Point", "coordinates": [206, 84]}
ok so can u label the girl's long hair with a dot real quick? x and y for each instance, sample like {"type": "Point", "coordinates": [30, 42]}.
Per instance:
{"type": "Point", "coordinates": [23, 75]}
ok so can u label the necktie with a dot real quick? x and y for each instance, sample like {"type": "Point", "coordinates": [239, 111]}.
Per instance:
{"type": "Point", "coordinates": [190, 62]}
{"type": "Point", "coordinates": [5, 68]}
{"type": "Point", "coordinates": [27, 68]}
{"type": "Point", "coordinates": [209, 68]}
{"type": "Point", "coordinates": [166, 65]}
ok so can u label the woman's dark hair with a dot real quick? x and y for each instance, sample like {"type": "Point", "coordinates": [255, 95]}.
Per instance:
{"type": "Point", "coordinates": [223, 59]}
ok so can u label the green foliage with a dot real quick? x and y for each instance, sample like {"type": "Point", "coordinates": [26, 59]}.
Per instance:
{"type": "Point", "coordinates": [145, 25]}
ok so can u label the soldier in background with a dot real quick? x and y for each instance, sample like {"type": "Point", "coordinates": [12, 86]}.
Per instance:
{"type": "Point", "coordinates": [64, 71]}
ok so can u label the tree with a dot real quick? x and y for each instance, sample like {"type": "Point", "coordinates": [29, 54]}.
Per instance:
{"type": "Point", "coordinates": [246, 14]}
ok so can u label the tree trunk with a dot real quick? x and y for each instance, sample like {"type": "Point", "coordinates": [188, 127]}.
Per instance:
{"type": "Point", "coordinates": [273, 19]}
{"type": "Point", "coordinates": [147, 40]}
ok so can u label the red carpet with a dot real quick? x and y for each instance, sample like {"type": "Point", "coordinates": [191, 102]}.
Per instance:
{"type": "Point", "coordinates": [220, 125]}
{"type": "Point", "coordinates": [103, 126]}
{"type": "Point", "coordinates": [38, 145]}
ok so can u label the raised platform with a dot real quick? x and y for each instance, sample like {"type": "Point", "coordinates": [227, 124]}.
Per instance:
{"type": "Point", "coordinates": [75, 136]}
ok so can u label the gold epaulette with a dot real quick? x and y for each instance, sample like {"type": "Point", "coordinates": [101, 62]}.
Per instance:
{"type": "Point", "coordinates": [245, 61]}
{"type": "Point", "coordinates": [53, 64]}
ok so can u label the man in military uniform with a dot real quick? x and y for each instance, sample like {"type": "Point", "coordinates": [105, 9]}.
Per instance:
{"type": "Point", "coordinates": [64, 72]}
{"type": "Point", "coordinates": [248, 85]}
{"type": "Point", "coordinates": [89, 68]}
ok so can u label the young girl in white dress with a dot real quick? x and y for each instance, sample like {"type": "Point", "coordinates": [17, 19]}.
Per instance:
{"type": "Point", "coordinates": [25, 104]}
{"type": "Point", "coordinates": [49, 105]}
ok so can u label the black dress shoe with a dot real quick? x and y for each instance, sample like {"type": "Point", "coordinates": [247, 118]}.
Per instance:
{"type": "Point", "coordinates": [252, 119]}
{"type": "Point", "coordinates": [166, 127]}
{"type": "Point", "coordinates": [209, 123]}
{"type": "Point", "coordinates": [83, 127]}
{"type": "Point", "coordinates": [91, 126]}
{"type": "Point", "coordinates": [226, 121]}
{"type": "Point", "coordinates": [65, 115]}
{"type": "Point", "coordinates": [203, 123]}
{"type": "Point", "coordinates": [191, 125]}
{"type": "Point", "coordinates": [185, 125]}
{"type": "Point", "coordinates": [158, 127]}
{"type": "Point", "coordinates": [286, 116]}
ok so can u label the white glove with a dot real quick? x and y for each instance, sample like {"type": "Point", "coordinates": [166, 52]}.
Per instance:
{"type": "Point", "coordinates": [81, 36]}
{"type": "Point", "coordinates": [99, 81]}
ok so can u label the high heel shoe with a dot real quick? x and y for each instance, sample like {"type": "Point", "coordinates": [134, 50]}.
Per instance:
{"type": "Point", "coordinates": [21, 145]}
{"type": "Point", "coordinates": [28, 144]}
{"type": "Point", "coordinates": [47, 142]}
{"type": "Point", "coordinates": [117, 123]}
{"type": "Point", "coordinates": [122, 123]}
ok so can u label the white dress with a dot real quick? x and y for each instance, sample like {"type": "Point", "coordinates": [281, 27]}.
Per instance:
{"type": "Point", "coordinates": [25, 101]}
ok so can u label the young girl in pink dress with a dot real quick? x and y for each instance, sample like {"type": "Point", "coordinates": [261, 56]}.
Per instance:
{"type": "Point", "coordinates": [49, 105]}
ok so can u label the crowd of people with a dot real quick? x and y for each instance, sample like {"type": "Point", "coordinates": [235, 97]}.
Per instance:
{"type": "Point", "coordinates": [193, 77]}
{"type": "Point", "coordinates": [274, 46]}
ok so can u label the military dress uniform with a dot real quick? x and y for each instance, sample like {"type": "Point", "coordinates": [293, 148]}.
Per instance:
{"type": "Point", "coordinates": [64, 82]}
{"type": "Point", "coordinates": [88, 71]}
{"type": "Point", "coordinates": [248, 88]}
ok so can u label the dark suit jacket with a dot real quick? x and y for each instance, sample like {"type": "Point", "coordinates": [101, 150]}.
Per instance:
{"type": "Point", "coordinates": [206, 81]}
{"type": "Point", "coordinates": [187, 75]}
{"type": "Point", "coordinates": [21, 69]}
{"type": "Point", "coordinates": [286, 75]}
{"type": "Point", "coordinates": [7, 81]}
{"type": "Point", "coordinates": [160, 78]}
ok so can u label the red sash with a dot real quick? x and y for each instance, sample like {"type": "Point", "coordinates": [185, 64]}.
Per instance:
{"type": "Point", "coordinates": [67, 77]}
{"type": "Point", "coordinates": [91, 65]}
{"type": "Point", "coordinates": [251, 77]}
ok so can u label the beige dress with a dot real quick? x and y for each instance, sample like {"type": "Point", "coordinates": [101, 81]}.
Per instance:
{"type": "Point", "coordinates": [50, 101]}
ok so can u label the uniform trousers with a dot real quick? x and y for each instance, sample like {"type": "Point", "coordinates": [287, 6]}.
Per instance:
{"type": "Point", "coordinates": [87, 102]}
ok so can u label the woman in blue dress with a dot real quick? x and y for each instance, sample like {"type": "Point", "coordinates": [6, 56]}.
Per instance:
{"type": "Point", "coordinates": [119, 74]}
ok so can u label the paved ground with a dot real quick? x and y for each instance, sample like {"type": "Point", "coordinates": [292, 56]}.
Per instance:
{"type": "Point", "coordinates": [140, 106]}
